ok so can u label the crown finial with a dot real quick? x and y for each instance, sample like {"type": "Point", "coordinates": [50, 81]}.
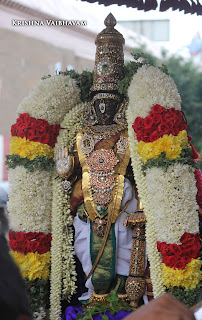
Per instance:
{"type": "Point", "coordinates": [110, 21]}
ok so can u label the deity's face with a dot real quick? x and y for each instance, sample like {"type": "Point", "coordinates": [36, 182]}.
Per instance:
{"type": "Point", "coordinates": [105, 110]}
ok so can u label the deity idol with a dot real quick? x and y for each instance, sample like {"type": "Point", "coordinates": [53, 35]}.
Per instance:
{"type": "Point", "coordinates": [112, 151]}
{"type": "Point", "coordinates": [104, 194]}
{"type": "Point", "coordinates": [102, 243]}
{"type": "Point", "coordinates": [127, 149]}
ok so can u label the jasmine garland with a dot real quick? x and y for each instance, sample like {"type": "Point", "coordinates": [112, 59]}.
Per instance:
{"type": "Point", "coordinates": [151, 86]}
{"type": "Point", "coordinates": [30, 195]}
{"type": "Point", "coordinates": [174, 205]}
{"type": "Point", "coordinates": [51, 99]}
{"type": "Point", "coordinates": [63, 274]}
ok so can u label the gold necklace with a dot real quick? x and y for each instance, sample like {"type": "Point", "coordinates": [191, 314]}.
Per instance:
{"type": "Point", "coordinates": [102, 132]}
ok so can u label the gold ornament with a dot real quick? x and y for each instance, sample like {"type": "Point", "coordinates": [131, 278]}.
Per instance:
{"type": "Point", "coordinates": [109, 59]}
{"type": "Point", "coordinates": [135, 284]}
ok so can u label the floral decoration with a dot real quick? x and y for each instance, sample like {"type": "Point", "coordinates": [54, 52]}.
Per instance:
{"type": "Point", "coordinates": [160, 121]}
{"type": "Point", "coordinates": [51, 99]}
{"type": "Point", "coordinates": [30, 164]}
{"type": "Point", "coordinates": [30, 196]}
{"type": "Point", "coordinates": [38, 294]}
{"type": "Point", "coordinates": [146, 90]}
{"type": "Point", "coordinates": [198, 177]}
{"type": "Point", "coordinates": [43, 163]}
{"type": "Point", "coordinates": [171, 145]}
{"type": "Point", "coordinates": [174, 206]}
{"type": "Point", "coordinates": [29, 149]}
{"type": "Point", "coordinates": [178, 256]}
{"type": "Point", "coordinates": [37, 130]}
{"type": "Point", "coordinates": [189, 297]}
{"type": "Point", "coordinates": [164, 170]}
{"type": "Point", "coordinates": [188, 278]}
{"type": "Point", "coordinates": [33, 265]}
{"type": "Point", "coordinates": [63, 273]}
{"type": "Point", "coordinates": [29, 242]}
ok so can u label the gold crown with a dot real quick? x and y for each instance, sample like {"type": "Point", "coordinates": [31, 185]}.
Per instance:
{"type": "Point", "coordinates": [109, 58]}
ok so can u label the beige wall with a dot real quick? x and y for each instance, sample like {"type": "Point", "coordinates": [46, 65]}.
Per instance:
{"type": "Point", "coordinates": [23, 61]}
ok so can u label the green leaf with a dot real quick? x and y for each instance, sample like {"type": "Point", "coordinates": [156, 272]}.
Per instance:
{"type": "Point", "coordinates": [104, 317]}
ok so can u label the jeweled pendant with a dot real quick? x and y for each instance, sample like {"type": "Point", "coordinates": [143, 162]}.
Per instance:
{"type": "Point", "coordinates": [99, 227]}
{"type": "Point", "coordinates": [102, 107]}
{"type": "Point", "coordinates": [66, 185]}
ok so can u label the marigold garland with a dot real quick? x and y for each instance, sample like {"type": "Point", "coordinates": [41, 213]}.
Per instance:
{"type": "Point", "coordinates": [171, 145]}
{"type": "Point", "coordinates": [29, 149]}
{"type": "Point", "coordinates": [187, 278]}
{"type": "Point", "coordinates": [33, 265]}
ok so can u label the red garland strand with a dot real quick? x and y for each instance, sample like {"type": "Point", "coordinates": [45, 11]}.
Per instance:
{"type": "Point", "coordinates": [178, 256]}
{"type": "Point", "coordinates": [159, 122]}
{"type": "Point", "coordinates": [29, 242]}
{"type": "Point", "coordinates": [37, 130]}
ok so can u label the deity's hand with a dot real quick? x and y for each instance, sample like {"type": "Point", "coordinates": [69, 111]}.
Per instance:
{"type": "Point", "coordinates": [64, 166]}
{"type": "Point", "coordinates": [163, 308]}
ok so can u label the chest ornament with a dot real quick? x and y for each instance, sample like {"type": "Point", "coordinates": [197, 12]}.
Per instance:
{"type": "Point", "coordinates": [102, 180]}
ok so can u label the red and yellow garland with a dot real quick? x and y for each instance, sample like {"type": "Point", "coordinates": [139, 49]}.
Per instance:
{"type": "Point", "coordinates": [32, 139]}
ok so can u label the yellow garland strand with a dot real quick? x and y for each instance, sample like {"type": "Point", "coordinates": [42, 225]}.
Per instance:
{"type": "Point", "coordinates": [29, 149]}
{"type": "Point", "coordinates": [188, 278]}
{"type": "Point", "coordinates": [172, 145]}
{"type": "Point", "coordinates": [32, 265]}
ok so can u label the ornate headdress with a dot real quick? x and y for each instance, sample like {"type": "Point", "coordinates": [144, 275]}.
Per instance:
{"type": "Point", "coordinates": [109, 59]}
{"type": "Point", "coordinates": [108, 70]}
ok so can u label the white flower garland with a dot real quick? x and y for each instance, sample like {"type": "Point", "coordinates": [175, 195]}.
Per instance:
{"type": "Point", "coordinates": [63, 274]}
{"type": "Point", "coordinates": [51, 99]}
{"type": "Point", "coordinates": [148, 87]}
{"type": "Point", "coordinates": [151, 86]}
{"type": "Point", "coordinates": [39, 315]}
{"type": "Point", "coordinates": [30, 195]}
{"type": "Point", "coordinates": [176, 200]}
{"type": "Point", "coordinates": [168, 198]}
